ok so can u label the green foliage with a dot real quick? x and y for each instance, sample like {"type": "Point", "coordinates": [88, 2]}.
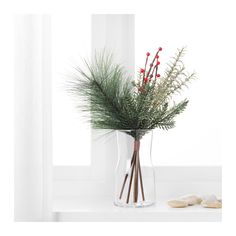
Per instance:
{"type": "Point", "coordinates": [114, 101]}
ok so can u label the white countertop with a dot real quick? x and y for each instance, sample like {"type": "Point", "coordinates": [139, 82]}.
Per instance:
{"type": "Point", "coordinates": [102, 209]}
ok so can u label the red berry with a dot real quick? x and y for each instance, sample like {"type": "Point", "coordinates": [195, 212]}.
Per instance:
{"type": "Point", "coordinates": [151, 65]}
{"type": "Point", "coordinates": [160, 48]}
{"type": "Point", "coordinates": [142, 70]}
{"type": "Point", "coordinates": [145, 80]}
{"type": "Point", "coordinates": [158, 63]}
{"type": "Point", "coordinates": [157, 56]}
{"type": "Point", "coordinates": [148, 54]}
{"type": "Point", "coordinates": [158, 75]}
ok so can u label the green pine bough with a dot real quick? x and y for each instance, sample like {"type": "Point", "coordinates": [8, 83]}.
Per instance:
{"type": "Point", "coordinates": [112, 100]}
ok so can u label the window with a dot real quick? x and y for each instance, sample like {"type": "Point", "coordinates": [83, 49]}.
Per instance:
{"type": "Point", "coordinates": [71, 39]}
{"type": "Point", "coordinates": [194, 141]}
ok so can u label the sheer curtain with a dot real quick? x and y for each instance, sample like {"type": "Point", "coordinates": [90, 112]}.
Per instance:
{"type": "Point", "coordinates": [33, 159]}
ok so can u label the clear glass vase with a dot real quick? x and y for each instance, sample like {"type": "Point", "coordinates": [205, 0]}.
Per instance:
{"type": "Point", "coordinates": [135, 176]}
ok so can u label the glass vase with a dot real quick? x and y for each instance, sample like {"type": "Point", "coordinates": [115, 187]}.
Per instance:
{"type": "Point", "coordinates": [135, 175]}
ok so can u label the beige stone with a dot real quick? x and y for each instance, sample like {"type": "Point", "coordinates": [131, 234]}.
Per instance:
{"type": "Point", "coordinates": [192, 199]}
{"type": "Point", "coordinates": [210, 197]}
{"type": "Point", "coordinates": [177, 203]}
{"type": "Point", "coordinates": [211, 204]}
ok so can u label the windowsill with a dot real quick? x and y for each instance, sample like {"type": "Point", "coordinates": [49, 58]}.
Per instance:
{"type": "Point", "coordinates": [172, 182]}
{"type": "Point", "coordinates": [102, 209]}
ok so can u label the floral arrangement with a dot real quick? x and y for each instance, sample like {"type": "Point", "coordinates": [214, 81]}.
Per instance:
{"type": "Point", "coordinates": [113, 100]}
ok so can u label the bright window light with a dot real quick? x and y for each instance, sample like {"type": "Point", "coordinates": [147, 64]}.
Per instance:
{"type": "Point", "coordinates": [71, 41]}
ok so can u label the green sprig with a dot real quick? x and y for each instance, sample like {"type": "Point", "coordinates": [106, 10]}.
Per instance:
{"type": "Point", "coordinates": [114, 101]}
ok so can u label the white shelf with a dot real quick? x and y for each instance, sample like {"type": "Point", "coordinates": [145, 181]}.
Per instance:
{"type": "Point", "coordinates": [102, 209]}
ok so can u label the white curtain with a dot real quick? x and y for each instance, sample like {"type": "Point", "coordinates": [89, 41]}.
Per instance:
{"type": "Point", "coordinates": [33, 159]}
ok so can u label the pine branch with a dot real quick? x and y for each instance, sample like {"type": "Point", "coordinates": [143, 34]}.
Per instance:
{"type": "Point", "coordinates": [111, 100]}
{"type": "Point", "coordinates": [166, 125]}
{"type": "Point", "coordinates": [175, 110]}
